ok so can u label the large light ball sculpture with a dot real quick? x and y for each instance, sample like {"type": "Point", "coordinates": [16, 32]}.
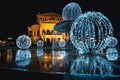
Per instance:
{"type": "Point", "coordinates": [111, 41]}
{"type": "Point", "coordinates": [112, 54]}
{"type": "Point", "coordinates": [40, 43]}
{"type": "Point", "coordinates": [62, 43]}
{"type": "Point", "coordinates": [89, 32]}
{"type": "Point", "coordinates": [23, 42]}
{"type": "Point", "coordinates": [71, 11]}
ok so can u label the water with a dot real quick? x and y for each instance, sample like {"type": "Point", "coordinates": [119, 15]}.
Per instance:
{"type": "Point", "coordinates": [68, 64]}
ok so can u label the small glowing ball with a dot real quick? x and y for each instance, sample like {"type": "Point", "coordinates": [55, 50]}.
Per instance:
{"type": "Point", "coordinates": [40, 43]}
{"type": "Point", "coordinates": [62, 43]}
{"type": "Point", "coordinates": [89, 31]}
{"type": "Point", "coordinates": [111, 41]}
{"type": "Point", "coordinates": [23, 42]}
{"type": "Point", "coordinates": [23, 57]}
{"type": "Point", "coordinates": [112, 54]}
{"type": "Point", "coordinates": [71, 11]}
{"type": "Point", "coordinates": [39, 52]}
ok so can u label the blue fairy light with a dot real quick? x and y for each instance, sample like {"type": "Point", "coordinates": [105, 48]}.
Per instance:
{"type": "Point", "coordinates": [71, 11]}
{"type": "Point", "coordinates": [23, 42]}
{"type": "Point", "coordinates": [62, 43]}
{"type": "Point", "coordinates": [89, 31]}
{"type": "Point", "coordinates": [112, 54]}
{"type": "Point", "coordinates": [111, 41]}
{"type": "Point", "coordinates": [40, 43]}
{"type": "Point", "coordinates": [23, 57]}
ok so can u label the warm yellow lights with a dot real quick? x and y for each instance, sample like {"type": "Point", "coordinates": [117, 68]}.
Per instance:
{"type": "Point", "coordinates": [44, 29]}
{"type": "Point", "coordinates": [10, 38]}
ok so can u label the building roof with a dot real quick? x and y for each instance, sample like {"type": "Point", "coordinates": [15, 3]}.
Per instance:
{"type": "Point", "coordinates": [49, 14]}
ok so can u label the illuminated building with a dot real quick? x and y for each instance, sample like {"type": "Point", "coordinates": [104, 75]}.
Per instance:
{"type": "Point", "coordinates": [44, 29]}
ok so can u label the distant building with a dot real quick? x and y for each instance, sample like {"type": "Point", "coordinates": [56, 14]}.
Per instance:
{"type": "Point", "coordinates": [44, 29]}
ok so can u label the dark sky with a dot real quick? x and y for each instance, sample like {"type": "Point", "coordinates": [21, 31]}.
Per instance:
{"type": "Point", "coordinates": [16, 15]}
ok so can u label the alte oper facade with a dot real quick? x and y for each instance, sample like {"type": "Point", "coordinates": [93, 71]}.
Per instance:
{"type": "Point", "coordinates": [44, 29]}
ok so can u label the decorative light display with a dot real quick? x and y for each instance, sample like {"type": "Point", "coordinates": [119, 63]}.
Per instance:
{"type": "Point", "coordinates": [40, 43]}
{"type": "Point", "coordinates": [23, 42]}
{"type": "Point", "coordinates": [39, 52]}
{"type": "Point", "coordinates": [111, 41]}
{"type": "Point", "coordinates": [89, 32]}
{"type": "Point", "coordinates": [23, 57]}
{"type": "Point", "coordinates": [71, 11]}
{"type": "Point", "coordinates": [112, 54]}
{"type": "Point", "coordinates": [62, 43]}
{"type": "Point", "coordinates": [91, 65]}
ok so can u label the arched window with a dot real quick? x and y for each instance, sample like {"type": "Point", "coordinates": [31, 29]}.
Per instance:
{"type": "Point", "coordinates": [43, 32]}
{"type": "Point", "coordinates": [48, 32]}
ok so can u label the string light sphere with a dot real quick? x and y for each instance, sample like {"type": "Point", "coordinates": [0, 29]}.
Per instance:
{"type": "Point", "coordinates": [112, 54]}
{"type": "Point", "coordinates": [40, 43]}
{"type": "Point", "coordinates": [71, 11]}
{"type": "Point", "coordinates": [62, 43]}
{"type": "Point", "coordinates": [23, 42]}
{"type": "Point", "coordinates": [89, 32]}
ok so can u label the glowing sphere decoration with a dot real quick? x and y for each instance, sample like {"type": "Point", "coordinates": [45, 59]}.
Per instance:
{"type": "Point", "coordinates": [23, 42]}
{"type": "Point", "coordinates": [40, 43]}
{"type": "Point", "coordinates": [111, 41]}
{"type": "Point", "coordinates": [23, 57]}
{"type": "Point", "coordinates": [112, 54]}
{"type": "Point", "coordinates": [71, 11]}
{"type": "Point", "coordinates": [62, 43]}
{"type": "Point", "coordinates": [89, 32]}
{"type": "Point", "coordinates": [91, 65]}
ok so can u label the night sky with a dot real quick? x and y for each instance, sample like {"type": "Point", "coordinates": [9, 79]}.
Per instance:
{"type": "Point", "coordinates": [17, 15]}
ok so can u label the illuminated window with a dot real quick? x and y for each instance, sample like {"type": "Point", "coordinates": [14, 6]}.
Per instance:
{"type": "Point", "coordinates": [34, 33]}
{"type": "Point", "coordinates": [48, 32]}
{"type": "Point", "coordinates": [37, 33]}
{"type": "Point", "coordinates": [52, 18]}
{"type": "Point", "coordinates": [30, 33]}
{"type": "Point", "coordinates": [43, 32]}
